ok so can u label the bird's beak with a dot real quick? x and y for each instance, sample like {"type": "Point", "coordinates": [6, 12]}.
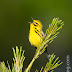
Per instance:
{"type": "Point", "coordinates": [32, 22]}
{"type": "Point", "coordinates": [29, 22]}
{"type": "Point", "coordinates": [32, 18]}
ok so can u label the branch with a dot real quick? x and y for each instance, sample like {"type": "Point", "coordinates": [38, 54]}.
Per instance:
{"type": "Point", "coordinates": [50, 34]}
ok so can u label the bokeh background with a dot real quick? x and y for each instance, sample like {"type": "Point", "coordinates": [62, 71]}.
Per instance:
{"type": "Point", "coordinates": [14, 28]}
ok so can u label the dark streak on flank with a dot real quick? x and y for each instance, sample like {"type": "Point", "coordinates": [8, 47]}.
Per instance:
{"type": "Point", "coordinates": [38, 30]}
{"type": "Point", "coordinates": [37, 33]}
{"type": "Point", "coordinates": [35, 28]}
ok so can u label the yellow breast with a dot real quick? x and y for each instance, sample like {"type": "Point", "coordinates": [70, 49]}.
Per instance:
{"type": "Point", "coordinates": [34, 38]}
{"type": "Point", "coordinates": [35, 33]}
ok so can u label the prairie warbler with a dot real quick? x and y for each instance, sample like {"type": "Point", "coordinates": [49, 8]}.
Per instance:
{"type": "Point", "coordinates": [36, 34]}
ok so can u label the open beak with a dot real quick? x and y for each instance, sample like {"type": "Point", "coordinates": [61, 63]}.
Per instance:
{"type": "Point", "coordinates": [32, 18]}
{"type": "Point", "coordinates": [29, 22]}
{"type": "Point", "coordinates": [33, 21]}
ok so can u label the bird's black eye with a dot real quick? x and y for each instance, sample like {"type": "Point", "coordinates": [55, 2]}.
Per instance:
{"type": "Point", "coordinates": [36, 23]}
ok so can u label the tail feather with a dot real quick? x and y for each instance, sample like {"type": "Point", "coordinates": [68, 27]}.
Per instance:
{"type": "Point", "coordinates": [47, 53]}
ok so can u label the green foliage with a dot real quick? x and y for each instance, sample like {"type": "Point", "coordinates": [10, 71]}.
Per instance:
{"type": "Point", "coordinates": [53, 30]}
{"type": "Point", "coordinates": [3, 68]}
{"type": "Point", "coordinates": [50, 34]}
{"type": "Point", "coordinates": [52, 63]}
{"type": "Point", "coordinates": [17, 62]}
{"type": "Point", "coordinates": [18, 59]}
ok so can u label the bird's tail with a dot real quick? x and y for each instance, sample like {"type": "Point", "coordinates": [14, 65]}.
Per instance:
{"type": "Point", "coordinates": [47, 53]}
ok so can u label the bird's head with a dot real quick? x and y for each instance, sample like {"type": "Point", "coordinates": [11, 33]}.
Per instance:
{"type": "Point", "coordinates": [36, 24]}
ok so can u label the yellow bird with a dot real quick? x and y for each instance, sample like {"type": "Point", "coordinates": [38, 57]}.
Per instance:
{"type": "Point", "coordinates": [35, 33]}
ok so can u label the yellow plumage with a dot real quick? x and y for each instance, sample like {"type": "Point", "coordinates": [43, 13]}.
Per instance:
{"type": "Point", "coordinates": [35, 33]}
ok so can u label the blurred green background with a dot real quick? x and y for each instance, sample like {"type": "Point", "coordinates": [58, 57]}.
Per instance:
{"type": "Point", "coordinates": [14, 28]}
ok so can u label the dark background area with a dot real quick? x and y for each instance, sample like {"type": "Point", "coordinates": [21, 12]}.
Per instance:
{"type": "Point", "coordinates": [14, 29]}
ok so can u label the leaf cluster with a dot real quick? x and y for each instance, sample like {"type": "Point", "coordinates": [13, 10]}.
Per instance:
{"type": "Point", "coordinates": [18, 59]}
